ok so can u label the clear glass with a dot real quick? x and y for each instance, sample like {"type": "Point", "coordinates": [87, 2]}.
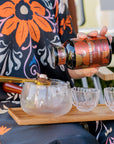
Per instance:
{"type": "Point", "coordinates": [85, 99]}
{"type": "Point", "coordinates": [46, 100]}
{"type": "Point", "coordinates": [109, 97]}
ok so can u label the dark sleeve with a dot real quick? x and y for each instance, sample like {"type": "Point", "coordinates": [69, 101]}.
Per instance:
{"type": "Point", "coordinates": [66, 30]}
{"type": "Point", "coordinates": [60, 72]}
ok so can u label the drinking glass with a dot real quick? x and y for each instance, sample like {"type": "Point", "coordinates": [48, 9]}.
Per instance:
{"type": "Point", "coordinates": [46, 100]}
{"type": "Point", "coordinates": [85, 99]}
{"type": "Point", "coordinates": [109, 97]}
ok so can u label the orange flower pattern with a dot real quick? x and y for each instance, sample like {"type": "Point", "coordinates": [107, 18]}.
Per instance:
{"type": "Point", "coordinates": [65, 23]}
{"type": "Point", "coordinates": [22, 21]}
{"type": "Point", "coordinates": [4, 130]}
{"type": "Point", "coordinates": [22, 24]}
{"type": "Point", "coordinates": [24, 17]}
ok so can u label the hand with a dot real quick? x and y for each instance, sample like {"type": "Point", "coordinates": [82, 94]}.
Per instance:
{"type": "Point", "coordinates": [80, 73]}
{"type": "Point", "coordinates": [88, 72]}
{"type": "Point", "coordinates": [95, 34]}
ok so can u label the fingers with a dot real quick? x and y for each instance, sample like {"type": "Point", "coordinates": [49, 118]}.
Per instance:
{"type": "Point", "coordinates": [93, 34]}
{"type": "Point", "coordinates": [81, 35]}
{"type": "Point", "coordinates": [103, 31]}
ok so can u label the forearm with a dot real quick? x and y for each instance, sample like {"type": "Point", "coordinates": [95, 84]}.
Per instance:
{"type": "Point", "coordinates": [80, 73]}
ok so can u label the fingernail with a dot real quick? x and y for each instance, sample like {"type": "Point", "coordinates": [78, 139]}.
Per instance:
{"type": "Point", "coordinates": [92, 34]}
{"type": "Point", "coordinates": [81, 35]}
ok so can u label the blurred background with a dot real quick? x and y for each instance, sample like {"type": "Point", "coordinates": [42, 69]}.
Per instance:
{"type": "Point", "coordinates": [95, 14]}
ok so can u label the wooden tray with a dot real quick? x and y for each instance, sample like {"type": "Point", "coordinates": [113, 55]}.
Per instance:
{"type": "Point", "coordinates": [101, 112]}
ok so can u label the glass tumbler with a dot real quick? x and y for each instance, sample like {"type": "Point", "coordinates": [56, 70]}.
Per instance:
{"type": "Point", "coordinates": [109, 97]}
{"type": "Point", "coordinates": [85, 99]}
{"type": "Point", "coordinates": [46, 100]}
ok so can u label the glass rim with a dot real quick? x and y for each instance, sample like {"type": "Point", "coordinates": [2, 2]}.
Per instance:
{"type": "Point", "coordinates": [55, 82]}
{"type": "Point", "coordinates": [86, 88]}
{"type": "Point", "coordinates": [108, 88]}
